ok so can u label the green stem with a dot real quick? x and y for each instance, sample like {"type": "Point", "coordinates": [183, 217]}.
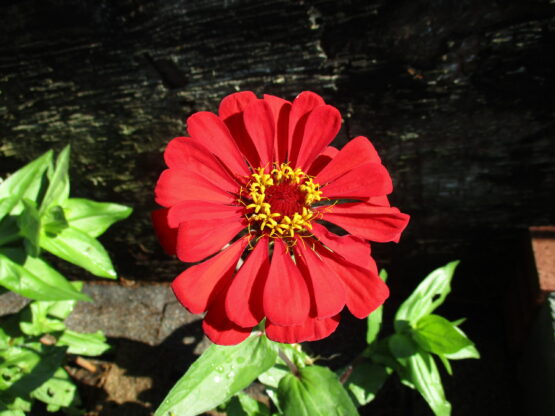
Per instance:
{"type": "Point", "coordinates": [294, 369]}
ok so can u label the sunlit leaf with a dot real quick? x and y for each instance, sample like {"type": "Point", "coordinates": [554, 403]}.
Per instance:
{"type": "Point", "coordinates": [28, 222]}
{"type": "Point", "coordinates": [34, 278]}
{"type": "Point", "coordinates": [374, 320]}
{"type": "Point", "coordinates": [27, 367]}
{"type": "Point", "coordinates": [6, 205]}
{"type": "Point", "coordinates": [58, 186]}
{"type": "Point", "coordinates": [57, 391]}
{"type": "Point", "coordinates": [219, 373]}
{"type": "Point", "coordinates": [316, 391]}
{"type": "Point", "coordinates": [273, 375]}
{"type": "Point", "coordinates": [429, 294]}
{"type": "Point", "coordinates": [26, 182]}
{"type": "Point", "coordinates": [437, 335]}
{"type": "Point", "coordinates": [79, 248]}
{"type": "Point", "coordinates": [421, 373]}
{"type": "Point", "coordinates": [90, 344]}
{"type": "Point", "coordinates": [53, 220]}
{"type": "Point", "coordinates": [93, 217]}
{"type": "Point", "coordinates": [365, 380]}
{"type": "Point", "coordinates": [34, 320]}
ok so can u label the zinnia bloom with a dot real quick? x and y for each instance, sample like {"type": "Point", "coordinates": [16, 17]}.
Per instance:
{"type": "Point", "coordinates": [248, 195]}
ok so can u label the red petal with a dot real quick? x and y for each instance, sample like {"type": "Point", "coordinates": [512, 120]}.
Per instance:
{"type": "Point", "coordinates": [351, 248]}
{"type": "Point", "coordinates": [355, 153]}
{"type": "Point", "coordinates": [364, 289]}
{"type": "Point", "coordinates": [374, 223]}
{"type": "Point", "coordinates": [311, 330]}
{"type": "Point", "coordinates": [213, 134]}
{"type": "Point", "coordinates": [322, 126]}
{"type": "Point", "coordinates": [243, 302]}
{"type": "Point", "coordinates": [305, 102]}
{"type": "Point", "coordinates": [231, 112]}
{"type": "Point", "coordinates": [235, 103]}
{"type": "Point", "coordinates": [222, 331]}
{"type": "Point", "coordinates": [286, 297]}
{"type": "Point", "coordinates": [177, 185]}
{"type": "Point", "coordinates": [326, 289]}
{"type": "Point", "coordinates": [322, 160]}
{"type": "Point", "coordinates": [281, 110]}
{"type": "Point", "coordinates": [198, 239]}
{"type": "Point", "coordinates": [187, 154]}
{"type": "Point", "coordinates": [259, 122]}
{"type": "Point", "coordinates": [202, 210]}
{"type": "Point", "coordinates": [382, 201]}
{"type": "Point", "coordinates": [197, 286]}
{"type": "Point", "coordinates": [166, 234]}
{"type": "Point", "coordinates": [217, 326]}
{"type": "Point", "coordinates": [364, 181]}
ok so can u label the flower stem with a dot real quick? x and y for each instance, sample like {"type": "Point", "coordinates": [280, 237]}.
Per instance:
{"type": "Point", "coordinates": [294, 369]}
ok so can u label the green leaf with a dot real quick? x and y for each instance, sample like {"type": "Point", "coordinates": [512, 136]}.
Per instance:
{"type": "Point", "coordinates": [93, 217]}
{"type": "Point", "coordinates": [402, 346]}
{"type": "Point", "coordinates": [17, 406]}
{"type": "Point", "coordinates": [4, 338]}
{"type": "Point", "coordinates": [421, 373]}
{"type": "Point", "coordinates": [7, 204]}
{"type": "Point", "coordinates": [20, 274]}
{"type": "Point", "coordinates": [244, 405]}
{"type": "Point", "coordinates": [26, 182]}
{"type": "Point", "coordinates": [57, 391]}
{"type": "Point", "coordinates": [27, 368]}
{"type": "Point", "coordinates": [54, 220]}
{"type": "Point", "coordinates": [366, 379]}
{"type": "Point", "coordinates": [437, 335]}
{"type": "Point", "coordinates": [296, 354]}
{"type": "Point", "coordinates": [79, 248]}
{"type": "Point", "coordinates": [446, 364]}
{"type": "Point", "coordinates": [58, 187]}
{"type": "Point", "coordinates": [429, 294]}
{"type": "Point", "coordinates": [273, 395]}
{"type": "Point", "coordinates": [9, 230]}
{"type": "Point", "coordinates": [91, 344]}
{"type": "Point", "coordinates": [273, 375]}
{"type": "Point", "coordinates": [467, 352]}
{"type": "Point", "coordinates": [28, 222]}
{"type": "Point", "coordinates": [374, 320]}
{"type": "Point", "coordinates": [217, 375]}
{"type": "Point", "coordinates": [35, 320]}
{"type": "Point", "coordinates": [8, 412]}
{"type": "Point", "coordinates": [315, 392]}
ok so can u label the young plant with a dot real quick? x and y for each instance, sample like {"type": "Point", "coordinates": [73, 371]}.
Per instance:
{"type": "Point", "coordinates": [36, 214]}
{"type": "Point", "coordinates": [296, 386]}
{"type": "Point", "coordinates": [419, 336]}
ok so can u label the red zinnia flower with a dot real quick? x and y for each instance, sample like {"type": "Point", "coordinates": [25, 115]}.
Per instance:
{"type": "Point", "coordinates": [261, 177]}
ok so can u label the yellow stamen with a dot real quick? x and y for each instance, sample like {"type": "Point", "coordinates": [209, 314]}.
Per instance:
{"type": "Point", "coordinates": [260, 211]}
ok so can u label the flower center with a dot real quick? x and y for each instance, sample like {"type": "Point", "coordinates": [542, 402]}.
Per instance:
{"type": "Point", "coordinates": [279, 202]}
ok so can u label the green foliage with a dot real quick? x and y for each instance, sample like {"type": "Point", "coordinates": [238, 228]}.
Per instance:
{"type": "Point", "coordinates": [37, 214]}
{"type": "Point", "coordinates": [217, 375]}
{"type": "Point", "coordinates": [315, 391]}
{"type": "Point", "coordinates": [244, 405]}
{"type": "Point", "coordinates": [365, 380]}
{"type": "Point", "coordinates": [374, 320]}
{"type": "Point", "coordinates": [419, 335]}
{"type": "Point", "coordinates": [31, 363]}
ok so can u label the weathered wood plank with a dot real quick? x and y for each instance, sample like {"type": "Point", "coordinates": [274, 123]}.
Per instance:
{"type": "Point", "coordinates": [456, 95]}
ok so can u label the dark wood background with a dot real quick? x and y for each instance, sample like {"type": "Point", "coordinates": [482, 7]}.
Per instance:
{"type": "Point", "coordinates": [456, 95]}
